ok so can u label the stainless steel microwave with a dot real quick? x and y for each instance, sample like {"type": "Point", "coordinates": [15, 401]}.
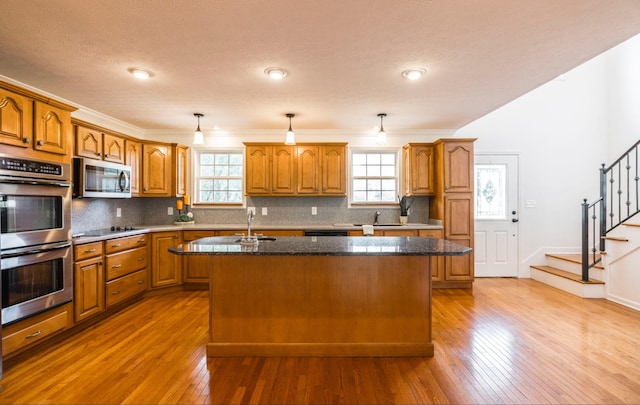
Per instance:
{"type": "Point", "coordinates": [96, 178]}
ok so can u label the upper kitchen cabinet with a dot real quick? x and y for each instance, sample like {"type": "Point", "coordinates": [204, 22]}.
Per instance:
{"type": "Point", "coordinates": [333, 169]}
{"type": "Point", "coordinates": [94, 142]}
{"type": "Point", "coordinates": [133, 158]}
{"type": "Point", "coordinates": [164, 168]}
{"type": "Point", "coordinates": [304, 170]}
{"type": "Point", "coordinates": [419, 169]}
{"type": "Point", "coordinates": [37, 126]}
{"type": "Point", "coordinates": [455, 164]}
{"type": "Point", "coordinates": [270, 169]}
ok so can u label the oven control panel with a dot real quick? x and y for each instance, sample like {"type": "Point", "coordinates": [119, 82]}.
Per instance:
{"type": "Point", "coordinates": [16, 167]}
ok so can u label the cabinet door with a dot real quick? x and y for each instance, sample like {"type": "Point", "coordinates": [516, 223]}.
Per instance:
{"type": "Point", "coordinates": [308, 176]}
{"type": "Point", "coordinates": [52, 128]}
{"type": "Point", "coordinates": [333, 169]}
{"type": "Point", "coordinates": [458, 225]}
{"type": "Point", "coordinates": [283, 170]}
{"type": "Point", "coordinates": [181, 170]}
{"type": "Point", "coordinates": [419, 170]}
{"type": "Point", "coordinates": [258, 166]}
{"type": "Point", "coordinates": [156, 170]}
{"type": "Point", "coordinates": [88, 143]}
{"type": "Point", "coordinates": [437, 262]}
{"type": "Point", "coordinates": [16, 114]}
{"type": "Point", "coordinates": [166, 268]}
{"type": "Point", "coordinates": [458, 167]}
{"type": "Point", "coordinates": [89, 288]}
{"type": "Point", "coordinates": [113, 147]}
{"type": "Point", "coordinates": [133, 158]}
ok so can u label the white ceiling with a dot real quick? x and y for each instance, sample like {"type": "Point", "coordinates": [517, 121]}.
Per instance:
{"type": "Point", "coordinates": [344, 57]}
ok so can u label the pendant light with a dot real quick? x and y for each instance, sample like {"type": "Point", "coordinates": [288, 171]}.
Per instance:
{"type": "Point", "coordinates": [290, 138]}
{"type": "Point", "coordinates": [198, 137]}
{"type": "Point", "coordinates": [382, 136]}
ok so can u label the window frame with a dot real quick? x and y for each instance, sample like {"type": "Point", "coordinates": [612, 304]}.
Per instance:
{"type": "Point", "coordinates": [195, 177]}
{"type": "Point", "coordinates": [398, 165]}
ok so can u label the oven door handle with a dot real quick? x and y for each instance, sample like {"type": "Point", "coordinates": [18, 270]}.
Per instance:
{"type": "Point", "coordinates": [34, 182]}
{"type": "Point", "coordinates": [29, 250]}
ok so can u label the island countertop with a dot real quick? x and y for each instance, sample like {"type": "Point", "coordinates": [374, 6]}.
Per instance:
{"type": "Point", "coordinates": [324, 246]}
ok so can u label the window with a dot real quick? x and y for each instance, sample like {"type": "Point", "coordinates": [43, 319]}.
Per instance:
{"type": "Point", "coordinates": [374, 177]}
{"type": "Point", "coordinates": [218, 177]}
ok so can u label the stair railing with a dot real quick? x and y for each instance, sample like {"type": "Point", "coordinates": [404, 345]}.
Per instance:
{"type": "Point", "coordinates": [618, 201]}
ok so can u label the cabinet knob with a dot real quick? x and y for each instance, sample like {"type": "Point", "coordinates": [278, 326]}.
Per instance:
{"type": "Point", "coordinates": [145, 189]}
{"type": "Point", "coordinates": [26, 140]}
{"type": "Point", "coordinates": [106, 155]}
{"type": "Point", "coordinates": [40, 143]}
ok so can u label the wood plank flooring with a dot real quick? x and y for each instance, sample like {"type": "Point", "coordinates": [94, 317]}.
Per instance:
{"type": "Point", "coordinates": [505, 341]}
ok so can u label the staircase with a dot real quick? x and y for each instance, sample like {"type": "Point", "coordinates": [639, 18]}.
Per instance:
{"type": "Point", "coordinates": [563, 271]}
{"type": "Point", "coordinates": [584, 274]}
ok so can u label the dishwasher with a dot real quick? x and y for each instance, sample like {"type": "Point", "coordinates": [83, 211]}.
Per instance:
{"type": "Point", "coordinates": [326, 232]}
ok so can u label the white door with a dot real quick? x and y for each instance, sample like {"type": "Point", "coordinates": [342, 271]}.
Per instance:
{"type": "Point", "coordinates": [496, 215]}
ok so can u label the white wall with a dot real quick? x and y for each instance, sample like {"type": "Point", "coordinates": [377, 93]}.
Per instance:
{"type": "Point", "coordinates": [562, 132]}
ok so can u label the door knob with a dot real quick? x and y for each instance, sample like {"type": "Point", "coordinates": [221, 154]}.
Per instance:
{"type": "Point", "coordinates": [514, 220]}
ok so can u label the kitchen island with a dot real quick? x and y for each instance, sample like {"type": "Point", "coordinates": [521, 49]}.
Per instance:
{"type": "Point", "coordinates": [320, 296]}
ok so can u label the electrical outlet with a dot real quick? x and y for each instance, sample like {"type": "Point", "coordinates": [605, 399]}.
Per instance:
{"type": "Point", "coordinates": [314, 210]}
{"type": "Point", "coordinates": [251, 209]}
{"type": "Point", "coordinates": [169, 210]}
{"type": "Point", "coordinates": [118, 212]}
{"type": "Point", "coordinates": [264, 210]}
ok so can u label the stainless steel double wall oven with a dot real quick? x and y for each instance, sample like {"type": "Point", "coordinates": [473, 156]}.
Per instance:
{"type": "Point", "coordinates": [35, 246]}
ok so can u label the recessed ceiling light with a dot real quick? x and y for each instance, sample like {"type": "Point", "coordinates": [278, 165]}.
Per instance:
{"type": "Point", "coordinates": [139, 73]}
{"type": "Point", "coordinates": [276, 73]}
{"type": "Point", "coordinates": [414, 74]}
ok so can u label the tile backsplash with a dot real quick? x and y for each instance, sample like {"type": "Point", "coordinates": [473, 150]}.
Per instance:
{"type": "Point", "coordinates": [97, 213]}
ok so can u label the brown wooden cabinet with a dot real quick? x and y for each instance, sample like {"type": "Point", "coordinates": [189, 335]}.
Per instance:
{"type": "Point", "coordinates": [94, 142]}
{"type": "Point", "coordinates": [88, 291]}
{"type": "Point", "coordinates": [453, 204]}
{"type": "Point", "coordinates": [164, 170]}
{"type": "Point", "coordinates": [419, 169]}
{"type": "Point", "coordinates": [196, 268]}
{"type": "Point", "coordinates": [166, 268]}
{"type": "Point", "coordinates": [21, 335]}
{"type": "Point", "coordinates": [37, 126]}
{"type": "Point", "coordinates": [126, 264]}
{"type": "Point", "coordinates": [306, 169]}
{"type": "Point", "coordinates": [133, 158]}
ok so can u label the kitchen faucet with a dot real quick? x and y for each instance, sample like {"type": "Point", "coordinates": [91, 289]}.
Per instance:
{"type": "Point", "coordinates": [249, 219]}
{"type": "Point", "coordinates": [375, 220]}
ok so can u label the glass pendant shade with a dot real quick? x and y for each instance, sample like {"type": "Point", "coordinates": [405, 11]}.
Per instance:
{"type": "Point", "coordinates": [290, 138]}
{"type": "Point", "coordinates": [198, 136]}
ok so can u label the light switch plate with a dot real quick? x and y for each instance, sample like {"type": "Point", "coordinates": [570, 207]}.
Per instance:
{"type": "Point", "coordinates": [118, 212]}
{"type": "Point", "coordinates": [169, 210]}
{"type": "Point", "coordinates": [314, 210]}
{"type": "Point", "coordinates": [264, 210]}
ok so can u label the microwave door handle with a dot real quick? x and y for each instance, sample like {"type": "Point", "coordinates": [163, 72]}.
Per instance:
{"type": "Point", "coordinates": [123, 181]}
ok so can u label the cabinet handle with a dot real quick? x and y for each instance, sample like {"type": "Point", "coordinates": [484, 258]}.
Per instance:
{"type": "Point", "coordinates": [116, 245]}
{"type": "Point", "coordinates": [140, 281]}
{"type": "Point", "coordinates": [40, 143]}
{"type": "Point", "coordinates": [89, 250]}
{"type": "Point", "coordinates": [142, 240]}
{"type": "Point", "coordinates": [26, 140]}
{"type": "Point", "coordinates": [115, 292]}
{"type": "Point", "coordinates": [140, 259]}
{"type": "Point", "coordinates": [36, 333]}
{"type": "Point", "coordinates": [116, 266]}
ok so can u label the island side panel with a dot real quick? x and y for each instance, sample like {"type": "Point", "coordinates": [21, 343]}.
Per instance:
{"type": "Point", "coordinates": [320, 306]}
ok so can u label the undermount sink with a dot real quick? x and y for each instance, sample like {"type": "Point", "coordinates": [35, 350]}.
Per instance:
{"type": "Point", "coordinates": [260, 239]}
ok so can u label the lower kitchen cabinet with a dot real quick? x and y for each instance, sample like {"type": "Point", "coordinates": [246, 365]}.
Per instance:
{"type": "Point", "coordinates": [21, 335]}
{"type": "Point", "coordinates": [166, 268]}
{"type": "Point", "coordinates": [126, 287]}
{"type": "Point", "coordinates": [88, 276]}
{"type": "Point", "coordinates": [196, 268]}
{"type": "Point", "coordinates": [126, 262]}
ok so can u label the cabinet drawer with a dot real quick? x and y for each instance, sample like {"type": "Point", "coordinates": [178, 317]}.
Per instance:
{"type": "Point", "coordinates": [125, 287]}
{"type": "Point", "coordinates": [188, 236]}
{"type": "Point", "coordinates": [35, 329]}
{"type": "Point", "coordinates": [430, 233]}
{"type": "Point", "coordinates": [122, 263]}
{"type": "Point", "coordinates": [120, 244]}
{"type": "Point", "coordinates": [86, 251]}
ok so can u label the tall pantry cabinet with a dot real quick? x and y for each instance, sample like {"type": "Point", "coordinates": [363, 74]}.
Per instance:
{"type": "Point", "coordinates": [453, 205]}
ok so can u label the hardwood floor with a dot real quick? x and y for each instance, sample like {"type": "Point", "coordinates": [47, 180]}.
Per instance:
{"type": "Point", "coordinates": [507, 341]}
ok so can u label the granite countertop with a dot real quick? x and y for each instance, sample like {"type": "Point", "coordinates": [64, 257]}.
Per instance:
{"type": "Point", "coordinates": [324, 246]}
{"type": "Point", "coordinates": [104, 234]}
